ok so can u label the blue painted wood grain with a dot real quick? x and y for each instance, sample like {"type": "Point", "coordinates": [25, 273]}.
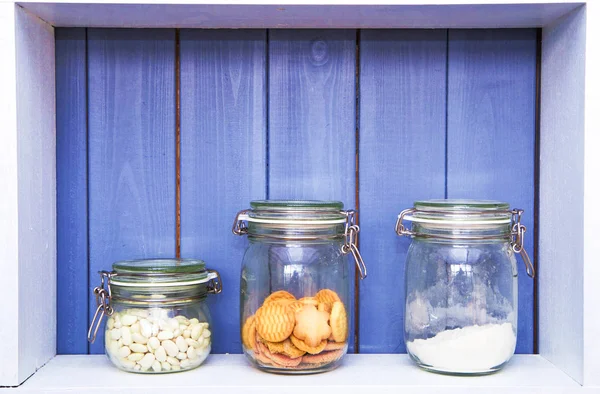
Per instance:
{"type": "Point", "coordinates": [131, 147]}
{"type": "Point", "coordinates": [312, 118]}
{"type": "Point", "coordinates": [71, 192]}
{"type": "Point", "coordinates": [491, 132]}
{"type": "Point", "coordinates": [223, 157]}
{"type": "Point", "coordinates": [402, 159]}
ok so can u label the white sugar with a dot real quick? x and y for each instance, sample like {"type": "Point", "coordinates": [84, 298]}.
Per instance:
{"type": "Point", "coordinates": [470, 349]}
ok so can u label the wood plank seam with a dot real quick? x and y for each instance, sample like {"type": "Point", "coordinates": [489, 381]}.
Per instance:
{"type": "Point", "coordinates": [177, 145]}
{"type": "Point", "coordinates": [357, 196]}
{"type": "Point", "coordinates": [536, 188]}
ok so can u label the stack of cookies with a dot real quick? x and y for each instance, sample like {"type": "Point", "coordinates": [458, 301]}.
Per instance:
{"type": "Point", "coordinates": [299, 334]}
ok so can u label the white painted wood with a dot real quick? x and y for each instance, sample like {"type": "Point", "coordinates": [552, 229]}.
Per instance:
{"type": "Point", "coordinates": [591, 292]}
{"type": "Point", "coordinates": [9, 244]}
{"type": "Point", "coordinates": [304, 13]}
{"type": "Point", "coordinates": [560, 273]}
{"type": "Point", "coordinates": [358, 374]}
{"type": "Point", "coordinates": [36, 147]}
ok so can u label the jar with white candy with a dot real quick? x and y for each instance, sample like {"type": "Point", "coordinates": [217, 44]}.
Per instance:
{"type": "Point", "coordinates": [157, 317]}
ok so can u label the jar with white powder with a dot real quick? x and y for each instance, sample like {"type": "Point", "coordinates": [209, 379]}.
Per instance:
{"type": "Point", "coordinates": [461, 284]}
{"type": "Point", "coordinates": [157, 317]}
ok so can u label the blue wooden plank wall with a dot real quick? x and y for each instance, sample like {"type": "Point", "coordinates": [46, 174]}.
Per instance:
{"type": "Point", "coordinates": [71, 191]}
{"type": "Point", "coordinates": [375, 118]}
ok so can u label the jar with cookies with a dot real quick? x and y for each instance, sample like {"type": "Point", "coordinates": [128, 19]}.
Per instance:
{"type": "Point", "coordinates": [157, 320]}
{"type": "Point", "coordinates": [295, 284]}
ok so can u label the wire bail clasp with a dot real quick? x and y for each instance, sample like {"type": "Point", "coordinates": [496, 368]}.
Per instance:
{"type": "Point", "coordinates": [351, 242]}
{"type": "Point", "coordinates": [518, 237]}
{"type": "Point", "coordinates": [104, 307]}
{"type": "Point", "coordinates": [240, 227]}
{"type": "Point", "coordinates": [400, 229]}
{"type": "Point", "coordinates": [215, 286]}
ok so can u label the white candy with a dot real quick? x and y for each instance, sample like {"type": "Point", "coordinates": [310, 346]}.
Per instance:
{"type": "Point", "coordinates": [138, 348]}
{"type": "Point", "coordinates": [160, 354]}
{"type": "Point", "coordinates": [206, 333]}
{"type": "Point", "coordinates": [175, 367]}
{"type": "Point", "coordinates": [115, 333]}
{"type": "Point", "coordinates": [139, 338]}
{"type": "Point", "coordinates": [153, 343]}
{"type": "Point", "coordinates": [155, 329]}
{"type": "Point", "coordinates": [110, 324]}
{"type": "Point", "coordinates": [196, 331]}
{"type": "Point", "coordinates": [176, 333]}
{"type": "Point", "coordinates": [181, 344]}
{"type": "Point", "coordinates": [124, 352]}
{"type": "Point", "coordinates": [172, 361]}
{"type": "Point", "coordinates": [165, 366]}
{"type": "Point", "coordinates": [135, 328]}
{"type": "Point", "coordinates": [194, 321]}
{"type": "Point", "coordinates": [166, 334]}
{"type": "Point", "coordinates": [185, 364]}
{"type": "Point", "coordinates": [126, 335]}
{"type": "Point", "coordinates": [170, 347]}
{"type": "Point", "coordinates": [193, 343]}
{"type": "Point", "coordinates": [181, 356]}
{"type": "Point", "coordinates": [128, 320]}
{"type": "Point", "coordinates": [156, 366]}
{"type": "Point", "coordinates": [191, 353]}
{"type": "Point", "coordinates": [147, 361]}
{"type": "Point", "coordinates": [135, 356]}
{"type": "Point", "coordinates": [146, 328]}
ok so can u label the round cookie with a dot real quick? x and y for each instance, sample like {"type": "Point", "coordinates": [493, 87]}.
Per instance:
{"type": "Point", "coordinates": [338, 320]}
{"type": "Point", "coordinates": [279, 295]}
{"type": "Point", "coordinates": [249, 333]}
{"type": "Point", "coordinates": [300, 344]}
{"type": "Point", "coordinates": [291, 350]}
{"type": "Point", "coordinates": [324, 307]}
{"type": "Point", "coordinates": [275, 321]}
{"type": "Point", "coordinates": [283, 360]}
{"type": "Point", "coordinates": [327, 296]}
{"type": "Point", "coordinates": [322, 358]}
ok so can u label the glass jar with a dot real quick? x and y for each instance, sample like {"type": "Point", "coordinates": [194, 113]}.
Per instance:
{"type": "Point", "coordinates": [158, 321]}
{"type": "Point", "coordinates": [461, 284]}
{"type": "Point", "coordinates": [295, 284]}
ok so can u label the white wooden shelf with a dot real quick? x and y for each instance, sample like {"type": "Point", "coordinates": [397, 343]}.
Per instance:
{"type": "Point", "coordinates": [380, 373]}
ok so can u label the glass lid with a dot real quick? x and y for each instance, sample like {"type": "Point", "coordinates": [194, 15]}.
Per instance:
{"type": "Point", "coordinates": [296, 211]}
{"type": "Point", "coordinates": [160, 272]}
{"type": "Point", "coordinates": [460, 211]}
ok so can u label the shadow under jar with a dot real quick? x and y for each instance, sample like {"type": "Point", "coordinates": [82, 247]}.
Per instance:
{"type": "Point", "coordinates": [295, 284]}
{"type": "Point", "coordinates": [461, 284]}
{"type": "Point", "coordinates": [158, 320]}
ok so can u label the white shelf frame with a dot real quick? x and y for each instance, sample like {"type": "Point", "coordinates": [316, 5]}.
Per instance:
{"type": "Point", "coordinates": [569, 321]}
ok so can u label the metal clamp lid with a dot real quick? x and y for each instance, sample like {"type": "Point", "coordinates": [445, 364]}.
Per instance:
{"type": "Point", "coordinates": [103, 293]}
{"type": "Point", "coordinates": [517, 232]}
{"type": "Point", "coordinates": [351, 230]}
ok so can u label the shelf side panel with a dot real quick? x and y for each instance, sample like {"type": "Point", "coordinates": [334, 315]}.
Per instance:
{"type": "Point", "coordinates": [223, 157]}
{"type": "Point", "coordinates": [312, 119]}
{"type": "Point", "coordinates": [491, 133]}
{"type": "Point", "coordinates": [131, 148]}
{"type": "Point", "coordinates": [71, 191]}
